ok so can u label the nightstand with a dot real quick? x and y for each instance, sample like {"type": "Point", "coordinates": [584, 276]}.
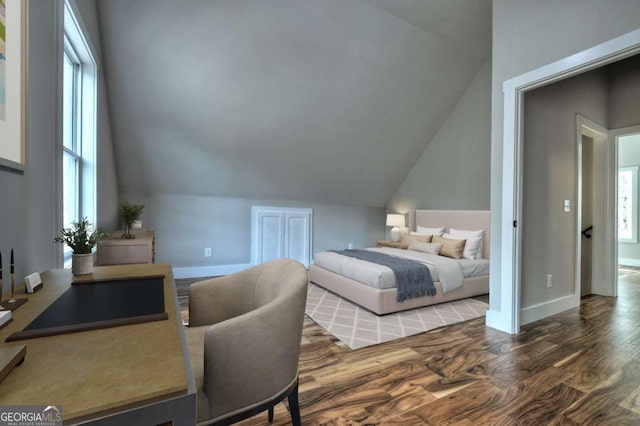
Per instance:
{"type": "Point", "coordinates": [113, 250]}
{"type": "Point", "coordinates": [389, 243]}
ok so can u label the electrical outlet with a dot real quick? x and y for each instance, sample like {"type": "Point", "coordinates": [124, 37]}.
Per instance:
{"type": "Point", "coordinates": [549, 281]}
{"type": "Point", "coordinates": [207, 252]}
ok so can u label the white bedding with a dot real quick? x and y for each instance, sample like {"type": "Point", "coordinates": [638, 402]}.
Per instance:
{"type": "Point", "coordinates": [450, 272]}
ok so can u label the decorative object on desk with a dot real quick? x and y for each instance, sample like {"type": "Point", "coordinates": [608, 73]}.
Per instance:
{"type": "Point", "coordinates": [12, 304]}
{"type": "Point", "coordinates": [33, 282]}
{"type": "Point", "coordinates": [395, 220]}
{"type": "Point", "coordinates": [13, 282]}
{"type": "Point", "coordinates": [130, 213]}
{"type": "Point", "coordinates": [81, 240]}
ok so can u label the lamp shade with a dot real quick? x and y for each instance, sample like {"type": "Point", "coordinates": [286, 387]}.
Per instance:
{"type": "Point", "coordinates": [395, 220]}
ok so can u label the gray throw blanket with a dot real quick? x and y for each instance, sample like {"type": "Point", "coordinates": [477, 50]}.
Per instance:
{"type": "Point", "coordinates": [413, 279]}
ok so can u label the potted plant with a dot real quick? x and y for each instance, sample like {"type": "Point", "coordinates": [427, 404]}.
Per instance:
{"type": "Point", "coordinates": [130, 213]}
{"type": "Point", "coordinates": [81, 239]}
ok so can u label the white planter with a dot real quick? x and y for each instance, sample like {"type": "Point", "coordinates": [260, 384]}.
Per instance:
{"type": "Point", "coordinates": [82, 264]}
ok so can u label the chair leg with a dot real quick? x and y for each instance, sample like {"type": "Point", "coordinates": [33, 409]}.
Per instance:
{"type": "Point", "coordinates": [294, 408]}
{"type": "Point", "coordinates": [271, 414]}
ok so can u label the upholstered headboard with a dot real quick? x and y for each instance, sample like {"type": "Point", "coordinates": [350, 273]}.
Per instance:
{"type": "Point", "coordinates": [459, 219]}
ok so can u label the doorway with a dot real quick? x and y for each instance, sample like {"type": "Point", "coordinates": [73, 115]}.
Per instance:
{"type": "Point", "coordinates": [586, 245]}
{"type": "Point", "coordinates": [505, 300]}
{"type": "Point", "coordinates": [627, 141]}
{"type": "Point", "coordinates": [594, 253]}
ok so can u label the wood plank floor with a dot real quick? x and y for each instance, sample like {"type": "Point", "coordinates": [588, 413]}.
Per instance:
{"type": "Point", "coordinates": [578, 367]}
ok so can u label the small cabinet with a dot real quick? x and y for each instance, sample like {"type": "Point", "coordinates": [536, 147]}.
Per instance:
{"type": "Point", "coordinates": [114, 250]}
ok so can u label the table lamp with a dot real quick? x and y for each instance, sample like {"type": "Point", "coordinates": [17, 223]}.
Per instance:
{"type": "Point", "coordinates": [395, 220]}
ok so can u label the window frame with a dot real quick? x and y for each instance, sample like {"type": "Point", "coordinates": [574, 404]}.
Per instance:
{"type": "Point", "coordinates": [78, 49]}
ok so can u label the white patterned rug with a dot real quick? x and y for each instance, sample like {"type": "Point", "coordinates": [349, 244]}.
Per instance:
{"type": "Point", "coordinates": [358, 327]}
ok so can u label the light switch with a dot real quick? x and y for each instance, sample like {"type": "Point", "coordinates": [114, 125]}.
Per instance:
{"type": "Point", "coordinates": [567, 206]}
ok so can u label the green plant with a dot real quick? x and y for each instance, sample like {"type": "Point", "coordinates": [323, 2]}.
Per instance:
{"type": "Point", "coordinates": [129, 214]}
{"type": "Point", "coordinates": [79, 236]}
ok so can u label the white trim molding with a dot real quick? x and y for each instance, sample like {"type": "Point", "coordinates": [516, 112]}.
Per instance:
{"type": "Point", "coordinates": [603, 274]}
{"type": "Point", "coordinates": [508, 318]}
{"type": "Point", "coordinates": [208, 271]}
{"type": "Point", "coordinates": [546, 309]}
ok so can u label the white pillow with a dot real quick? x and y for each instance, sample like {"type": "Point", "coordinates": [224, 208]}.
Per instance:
{"type": "Point", "coordinates": [471, 247]}
{"type": "Point", "coordinates": [431, 231]}
{"type": "Point", "coordinates": [473, 234]}
{"type": "Point", "coordinates": [431, 248]}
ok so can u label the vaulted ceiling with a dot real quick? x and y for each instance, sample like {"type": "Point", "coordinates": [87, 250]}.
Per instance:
{"type": "Point", "coordinates": [320, 100]}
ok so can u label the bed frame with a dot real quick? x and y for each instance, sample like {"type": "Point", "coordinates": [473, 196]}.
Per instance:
{"type": "Point", "coordinates": [384, 301]}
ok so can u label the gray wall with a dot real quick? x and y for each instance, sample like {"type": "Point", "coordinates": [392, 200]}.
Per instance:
{"type": "Point", "coordinates": [281, 99]}
{"type": "Point", "coordinates": [624, 95]}
{"type": "Point", "coordinates": [453, 172]}
{"type": "Point", "coordinates": [550, 176]}
{"type": "Point", "coordinates": [629, 155]}
{"type": "Point", "coordinates": [528, 35]}
{"type": "Point", "coordinates": [29, 201]}
{"type": "Point", "coordinates": [185, 225]}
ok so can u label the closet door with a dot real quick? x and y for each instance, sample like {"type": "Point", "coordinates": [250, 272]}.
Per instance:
{"type": "Point", "coordinates": [279, 233]}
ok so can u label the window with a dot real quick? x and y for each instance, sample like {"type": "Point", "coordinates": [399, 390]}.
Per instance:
{"type": "Point", "coordinates": [78, 125]}
{"type": "Point", "coordinates": [71, 153]}
{"type": "Point", "coordinates": [628, 204]}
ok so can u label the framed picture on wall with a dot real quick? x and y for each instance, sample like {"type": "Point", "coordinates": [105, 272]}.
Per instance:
{"type": "Point", "coordinates": [12, 83]}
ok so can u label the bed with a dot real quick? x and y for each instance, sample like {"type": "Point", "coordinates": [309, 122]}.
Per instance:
{"type": "Point", "coordinates": [384, 300]}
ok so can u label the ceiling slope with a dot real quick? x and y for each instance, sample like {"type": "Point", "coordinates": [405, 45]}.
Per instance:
{"type": "Point", "coordinates": [328, 101]}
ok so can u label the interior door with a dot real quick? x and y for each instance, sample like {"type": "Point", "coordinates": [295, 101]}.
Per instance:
{"type": "Point", "coordinates": [281, 233]}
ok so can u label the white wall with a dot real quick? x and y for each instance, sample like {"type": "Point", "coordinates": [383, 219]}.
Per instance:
{"type": "Point", "coordinates": [526, 36]}
{"type": "Point", "coordinates": [453, 172]}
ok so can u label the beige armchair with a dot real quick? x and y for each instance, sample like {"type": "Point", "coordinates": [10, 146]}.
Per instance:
{"type": "Point", "coordinates": [244, 341]}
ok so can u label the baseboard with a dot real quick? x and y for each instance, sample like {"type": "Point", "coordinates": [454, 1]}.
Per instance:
{"type": "Point", "coordinates": [627, 261]}
{"type": "Point", "coordinates": [209, 271]}
{"type": "Point", "coordinates": [546, 309]}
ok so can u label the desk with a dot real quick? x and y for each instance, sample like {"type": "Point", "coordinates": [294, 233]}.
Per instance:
{"type": "Point", "coordinates": [136, 374]}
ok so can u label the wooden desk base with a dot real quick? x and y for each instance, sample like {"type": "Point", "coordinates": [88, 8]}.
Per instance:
{"type": "Point", "coordinates": [135, 374]}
